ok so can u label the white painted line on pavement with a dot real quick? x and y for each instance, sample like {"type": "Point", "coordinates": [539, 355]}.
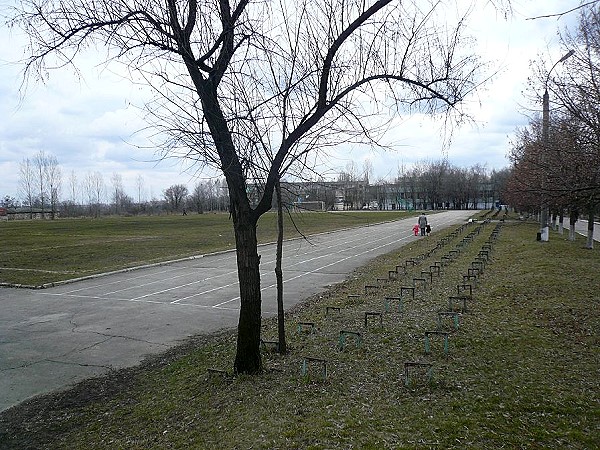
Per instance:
{"type": "Point", "coordinates": [322, 267]}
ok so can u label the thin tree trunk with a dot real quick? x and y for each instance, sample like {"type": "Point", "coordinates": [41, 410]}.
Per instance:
{"type": "Point", "coordinates": [282, 346]}
{"type": "Point", "coordinates": [573, 216]}
{"type": "Point", "coordinates": [561, 222]}
{"type": "Point", "coordinates": [590, 230]}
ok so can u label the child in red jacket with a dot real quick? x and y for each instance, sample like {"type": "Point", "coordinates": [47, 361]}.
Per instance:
{"type": "Point", "coordinates": [416, 229]}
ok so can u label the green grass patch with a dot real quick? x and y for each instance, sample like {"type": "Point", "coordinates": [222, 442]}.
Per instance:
{"type": "Point", "coordinates": [522, 370]}
{"type": "Point", "coordinates": [39, 252]}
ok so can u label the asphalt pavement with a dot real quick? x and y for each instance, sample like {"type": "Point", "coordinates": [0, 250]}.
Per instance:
{"type": "Point", "coordinates": [55, 337]}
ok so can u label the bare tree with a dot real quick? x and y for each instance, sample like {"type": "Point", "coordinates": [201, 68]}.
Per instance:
{"type": "Point", "coordinates": [27, 184]}
{"type": "Point", "coordinates": [578, 92]}
{"type": "Point", "coordinates": [477, 177]}
{"type": "Point", "coordinates": [88, 191]}
{"type": "Point", "coordinates": [563, 168]}
{"type": "Point", "coordinates": [70, 206]}
{"type": "Point", "coordinates": [94, 188]}
{"type": "Point", "coordinates": [223, 195]}
{"type": "Point", "coordinates": [73, 187]}
{"type": "Point", "coordinates": [48, 179]}
{"type": "Point", "coordinates": [254, 87]}
{"type": "Point", "coordinates": [367, 170]}
{"type": "Point", "coordinates": [457, 191]}
{"type": "Point", "coordinates": [524, 186]}
{"type": "Point", "coordinates": [571, 163]}
{"type": "Point", "coordinates": [118, 193]}
{"type": "Point", "coordinates": [353, 186]}
{"type": "Point", "coordinates": [498, 181]}
{"type": "Point", "coordinates": [139, 184]}
{"type": "Point", "coordinates": [40, 161]}
{"type": "Point", "coordinates": [99, 189]}
{"type": "Point", "coordinates": [198, 197]}
{"type": "Point", "coordinates": [403, 181]}
{"type": "Point", "coordinates": [53, 176]}
{"type": "Point", "coordinates": [433, 179]}
{"type": "Point", "coordinates": [175, 196]}
{"type": "Point", "coordinates": [415, 185]}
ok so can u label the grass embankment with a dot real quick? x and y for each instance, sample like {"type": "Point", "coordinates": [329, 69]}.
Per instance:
{"type": "Point", "coordinates": [522, 369]}
{"type": "Point", "coordinates": [38, 252]}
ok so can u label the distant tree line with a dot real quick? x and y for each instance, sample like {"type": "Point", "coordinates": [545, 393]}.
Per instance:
{"type": "Point", "coordinates": [427, 185]}
{"type": "Point", "coordinates": [43, 188]}
{"type": "Point", "coordinates": [40, 183]}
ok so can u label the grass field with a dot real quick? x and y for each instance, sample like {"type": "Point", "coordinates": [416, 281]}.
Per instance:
{"type": "Point", "coordinates": [522, 370]}
{"type": "Point", "coordinates": [38, 252]}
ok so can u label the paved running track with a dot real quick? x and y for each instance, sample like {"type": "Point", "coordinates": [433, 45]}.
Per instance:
{"type": "Point", "coordinates": [52, 338]}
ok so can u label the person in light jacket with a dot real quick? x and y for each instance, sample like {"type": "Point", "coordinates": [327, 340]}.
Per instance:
{"type": "Point", "coordinates": [422, 223]}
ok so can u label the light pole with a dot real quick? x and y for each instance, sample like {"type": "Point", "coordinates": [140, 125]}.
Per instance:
{"type": "Point", "coordinates": [544, 228]}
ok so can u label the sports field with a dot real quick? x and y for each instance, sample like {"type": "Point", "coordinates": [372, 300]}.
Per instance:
{"type": "Point", "coordinates": [39, 252]}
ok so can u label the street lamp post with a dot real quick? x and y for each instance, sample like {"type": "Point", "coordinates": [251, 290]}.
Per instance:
{"type": "Point", "coordinates": [544, 227]}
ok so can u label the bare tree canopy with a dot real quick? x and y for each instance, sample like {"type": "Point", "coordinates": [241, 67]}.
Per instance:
{"type": "Point", "coordinates": [175, 196]}
{"type": "Point", "coordinates": [288, 76]}
{"type": "Point", "coordinates": [254, 88]}
{"type": "Point", "coordinates": [565, 167]}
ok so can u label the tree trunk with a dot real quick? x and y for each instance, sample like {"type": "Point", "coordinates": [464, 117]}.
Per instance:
{"type": "Point", "coordinates": [282, 346]}
{"type": "Point", "coordinates": [561, 221]}
{"type": "Point", "coordinates": [572, 221]}
{"type": "Point", "coordinates": [247, 358]}
{"type": "Point", "coordinates": [590, 230]}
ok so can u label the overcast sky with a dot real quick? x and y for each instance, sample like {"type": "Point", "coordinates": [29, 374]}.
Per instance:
{"type": "Point", "coordinates": [90, 124]}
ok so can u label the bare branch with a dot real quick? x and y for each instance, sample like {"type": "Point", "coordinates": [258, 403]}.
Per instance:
{"type": "Point", "coordinates": [559, 15]}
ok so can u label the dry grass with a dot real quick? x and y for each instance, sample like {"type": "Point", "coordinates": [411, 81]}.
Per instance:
{"type": "Point", "coordinates": [522, 370]}
{"type": "Point", "coordinates": [40, 252]}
